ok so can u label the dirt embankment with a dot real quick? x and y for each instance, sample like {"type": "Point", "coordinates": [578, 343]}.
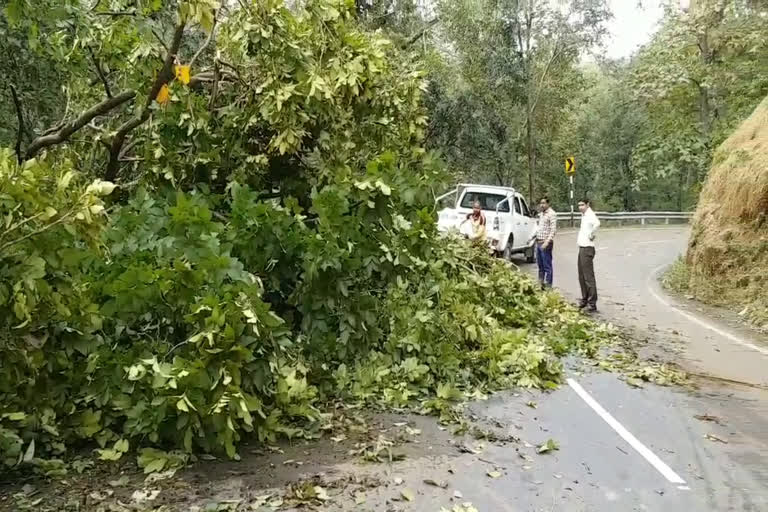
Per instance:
{"type": "Point", "coordinates": [728, 249]}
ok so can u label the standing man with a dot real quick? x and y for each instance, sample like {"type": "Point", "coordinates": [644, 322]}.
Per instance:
{"type": "Point", "coordinates": [545, 240]}
{"type": "Point", "coordinates": [586, 262]}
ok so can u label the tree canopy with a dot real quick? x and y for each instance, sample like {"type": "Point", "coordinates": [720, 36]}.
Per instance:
{"type": "Point", "coordinates": [221, 219]}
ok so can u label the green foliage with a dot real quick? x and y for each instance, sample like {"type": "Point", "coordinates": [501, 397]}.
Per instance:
{"type": "Point", "coordinates": [702, 74]}
{"type": "Point", "coordinates": [498, 100]}
{"type": "Point", "coordinates": [276, 250]}
{"type": "Point", "coordinates": [51, 222]}
{"type": "Point", "coordinates": [677, 277]}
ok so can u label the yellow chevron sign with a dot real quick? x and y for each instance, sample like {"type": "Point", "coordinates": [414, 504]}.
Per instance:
{"type": "Point", "coordinates": [570, 165]}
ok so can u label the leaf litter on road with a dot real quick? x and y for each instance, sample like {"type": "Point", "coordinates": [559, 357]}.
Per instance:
{"type": "Point", "coordinates": [434, 483]}
{"type": "Point", "coordinates": [709, 418]}
{"type": "Point", "coordinates": [549, 446]}
{"type": "Point", "coordinates": [713, 437]}
{"type": "Point", "coordinates": [464, 507]}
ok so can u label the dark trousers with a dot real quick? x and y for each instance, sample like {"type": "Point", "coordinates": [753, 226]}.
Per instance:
{"type": "Point", "coordinates": [544, 259]}
{"type": "Point", "coordinates": [587, 275]}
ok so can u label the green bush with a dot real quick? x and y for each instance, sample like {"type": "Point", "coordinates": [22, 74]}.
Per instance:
{"type": "Point", "coordinates": [677, 277]}
{"type": "Point", "coordinates": [173, 343]}
{"type": "Point", "coordinates": [197, 308]}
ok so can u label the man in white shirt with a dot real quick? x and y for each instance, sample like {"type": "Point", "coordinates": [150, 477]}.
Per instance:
{"type": "Point", "coordinates": [586, 241]}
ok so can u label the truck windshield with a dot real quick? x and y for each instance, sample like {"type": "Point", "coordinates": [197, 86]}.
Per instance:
{"type": "Point", "coordinates": [487, 201]}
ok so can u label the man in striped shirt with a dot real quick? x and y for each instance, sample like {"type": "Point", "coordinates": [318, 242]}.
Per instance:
{"type": "Point", "coordinates": [545, 241]}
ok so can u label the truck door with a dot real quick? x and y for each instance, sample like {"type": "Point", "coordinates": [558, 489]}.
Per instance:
{"type": "Point", "coordinates": [529, 222]}
{"type": "Point", "coordinates": [517, 224]}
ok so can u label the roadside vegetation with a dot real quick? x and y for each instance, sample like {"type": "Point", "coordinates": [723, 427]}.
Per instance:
{"type": "Point", "coordinates": [196, 256]}
{"type": "Point", "coordinates": [677, 277]}
{"type": "Point", "coordinates": [727, 255]}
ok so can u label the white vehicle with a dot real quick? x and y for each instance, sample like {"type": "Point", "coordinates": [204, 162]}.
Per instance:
{"type": "Point", "coordinates": [510, 224]}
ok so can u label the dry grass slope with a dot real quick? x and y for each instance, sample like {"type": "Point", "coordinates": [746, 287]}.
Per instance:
{"type": "Point", "coordinates": [728, 250]}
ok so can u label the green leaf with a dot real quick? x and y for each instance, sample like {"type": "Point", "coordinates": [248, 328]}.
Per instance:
{"type": "Point", "coordinates": [109, 455]}
{"type": "Point", "coordinates": [384, 188]}
{"type": "Point", "coordinates": [29, 454]}
{"type": "Point", "coordinates": [155, 466]}
{"type": "Point", "coordinates": [549, 446]}
{"type": "Point", "coordinates": [182, 405]}
{"type": "Point", "coordinates": [122, 445]}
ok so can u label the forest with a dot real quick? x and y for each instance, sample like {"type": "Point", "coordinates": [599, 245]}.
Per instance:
{"type": "Point", "coordinates": [515, 87]}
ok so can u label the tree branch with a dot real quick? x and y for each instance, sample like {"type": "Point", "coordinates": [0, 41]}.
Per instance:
{"type": "Point", "coordinates": [206, 43]}
{"type": "Point", "coordinates": [67, 129]}
{"type": "Point", "coordinates": [160, 40]}
{"type": "Point", "coordinates": [162, 79]}
{"type": "Point", "coordinates": [421, 32]}
{"type": "Point", "coordinates": [20, 117]}
{"type": "Point", "coordinates": [215, 88]}
{"type": "Point", "coordinates": [555, 53]}
{"type": "Point", "coordinates": [100, 72]}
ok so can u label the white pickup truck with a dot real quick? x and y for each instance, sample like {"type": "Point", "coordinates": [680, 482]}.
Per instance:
{"type": "Point", "coordinates": [510, 224]}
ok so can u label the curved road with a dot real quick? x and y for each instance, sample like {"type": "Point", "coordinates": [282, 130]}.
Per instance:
{"type": "Point", "coordinates": [628, 263]}
{"type": "Point", "coordinates": [723, 461]}
{"type": "Point", "coordinates": [621, 449]}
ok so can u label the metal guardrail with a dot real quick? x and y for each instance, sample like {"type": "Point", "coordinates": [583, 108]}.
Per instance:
{"type": "Point", "coordinates": [642, 217]}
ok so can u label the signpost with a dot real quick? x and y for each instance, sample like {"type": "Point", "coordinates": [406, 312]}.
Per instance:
{"type": "Point", "coordinates": [570, 170]}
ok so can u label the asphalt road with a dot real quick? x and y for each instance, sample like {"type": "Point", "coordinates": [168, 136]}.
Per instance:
{"type": "Point", "coordinates": [627, 266]}
{"type": "Point", "coordinates": [620, 448]}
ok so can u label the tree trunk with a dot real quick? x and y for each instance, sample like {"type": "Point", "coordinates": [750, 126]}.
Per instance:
{"type": "Point", "coordinates": [530, 143]}
{"type": "Point", "coordinates": [704, 106]}
{"type": "Point", "coordinates": [628, 206]}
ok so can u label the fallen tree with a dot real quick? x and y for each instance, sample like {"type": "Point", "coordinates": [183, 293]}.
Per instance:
{"type": "Point", "coordinates": [275, 250]}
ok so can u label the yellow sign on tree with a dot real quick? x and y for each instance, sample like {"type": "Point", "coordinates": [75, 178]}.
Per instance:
{"type": "Point", "coordinates": [570, 165]}
{"type": "Point", "coordinates": [163, 95]}
{"type": "Point", "coordinates": [182, 74]}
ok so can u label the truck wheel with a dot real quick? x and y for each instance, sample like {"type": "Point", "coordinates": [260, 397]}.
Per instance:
{"type": "Point", "coordinates": [507, 255]}
{"type": "Point", "coordinates": [530, 255]}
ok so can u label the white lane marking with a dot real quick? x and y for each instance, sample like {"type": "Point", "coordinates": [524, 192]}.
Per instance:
{"type": "Point", "coordinates": [699, 321]}
{"type": "Point", "coordinates": [655, 241]}
{"type": "Point", "coordinates": [625, 434]}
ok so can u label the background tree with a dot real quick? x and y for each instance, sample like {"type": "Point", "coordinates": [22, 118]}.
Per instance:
{"type": "Point", "coordinates": [702, 73]}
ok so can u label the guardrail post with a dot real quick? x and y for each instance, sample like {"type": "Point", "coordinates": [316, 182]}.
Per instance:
{"type": "Point", "coordinates": [666, 221]}
{"type": "Point", "coordinates": [642, 221]}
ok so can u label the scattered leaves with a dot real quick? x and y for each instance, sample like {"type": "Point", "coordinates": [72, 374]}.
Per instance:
{"type": "Point", "coordinates": [549, 446]}
{"type": "Point", "coordinates": [709, 418]}
{"type": "Point", "coordinates": [713, 437]}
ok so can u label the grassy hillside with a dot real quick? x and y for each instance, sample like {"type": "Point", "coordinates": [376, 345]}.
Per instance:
{"type": "Point", "coordinates": [727, 255]}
